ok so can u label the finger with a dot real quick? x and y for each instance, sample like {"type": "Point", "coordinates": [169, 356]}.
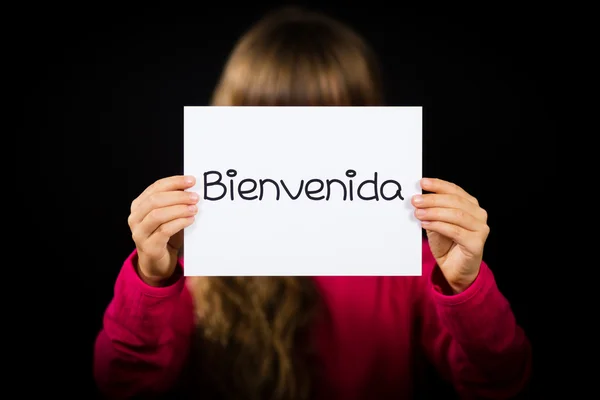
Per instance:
{"type": "Point", "coordinates": [168, 184]}
{"type": "Point", "coordinates": [449, 201]}
{"type": "Point", "coordinates": [161, 236]}
{"type": "Point", "coordinates": [471, 241]}
{"type": "Point", "coordinates": [160, 216]}
{"type": "Point", "coordinates": [454, 216]}
{"type": "Point", "coordinates": [444, 187]}
{"type": "Point", "coordinates": [161, 200]}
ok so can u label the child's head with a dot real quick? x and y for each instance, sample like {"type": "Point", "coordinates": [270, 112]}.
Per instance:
{"type": "Point", "coordinates": [294, 57]}
{"type": "Point", "coordinates": [255, 328]}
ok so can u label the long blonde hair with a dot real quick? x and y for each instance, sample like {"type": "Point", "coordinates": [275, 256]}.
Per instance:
{"type": "Point", "coordinates": [255, 331]}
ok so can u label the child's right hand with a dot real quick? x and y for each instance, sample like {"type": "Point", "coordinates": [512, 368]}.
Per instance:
{"type": "Point", "coordinates": [158, 217]}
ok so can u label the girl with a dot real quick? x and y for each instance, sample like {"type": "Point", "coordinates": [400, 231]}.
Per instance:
{"type": "Point", "coordinates": [297, 338]}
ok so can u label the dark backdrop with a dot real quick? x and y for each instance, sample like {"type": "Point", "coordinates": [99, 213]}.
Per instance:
{"type": "Point", "coordinates": [111, 83]}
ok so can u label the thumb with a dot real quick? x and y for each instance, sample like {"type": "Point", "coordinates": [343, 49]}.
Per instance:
{"type": "Point", "coordinates": [438, 244]}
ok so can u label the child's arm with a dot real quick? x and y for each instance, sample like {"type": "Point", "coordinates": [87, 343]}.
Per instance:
{"type": "Point", "coordinates": [146, 336]}
{"type": "Point", "coordinates": [472, 337]}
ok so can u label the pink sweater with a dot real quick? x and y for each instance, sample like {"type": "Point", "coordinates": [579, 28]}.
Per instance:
{"type": "Point", "coordinates": [380, 333]}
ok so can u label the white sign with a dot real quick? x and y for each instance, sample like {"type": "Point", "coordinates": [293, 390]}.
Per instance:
{"type": "Point", "coordinates": [303, 190]}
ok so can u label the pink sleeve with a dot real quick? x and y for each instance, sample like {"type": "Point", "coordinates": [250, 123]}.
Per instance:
{"type": "Point", "coordinates": [472, 337]}
{"type": "Point", "coordinates": [145, 339]}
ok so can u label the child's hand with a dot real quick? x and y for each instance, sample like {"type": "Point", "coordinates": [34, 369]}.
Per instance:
{"type": "Point", "coordinates": [158, 217]}
{"type": "Point", "coordinates": [457, 230]}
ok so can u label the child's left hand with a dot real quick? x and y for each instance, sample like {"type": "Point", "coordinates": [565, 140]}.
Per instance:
{"type": "Point", "coordinates": [456, 229]}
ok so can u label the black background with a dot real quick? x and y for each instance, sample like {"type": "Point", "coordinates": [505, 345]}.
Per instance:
{"type": "Point", "coordinates": [111, 84]}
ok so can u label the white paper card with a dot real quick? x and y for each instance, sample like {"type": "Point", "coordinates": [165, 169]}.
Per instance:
{"type": "Point", "coordinates": [296, 204]}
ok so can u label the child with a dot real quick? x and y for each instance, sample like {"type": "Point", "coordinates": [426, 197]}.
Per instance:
{"type": "Point", "coordinates": [296, 338]}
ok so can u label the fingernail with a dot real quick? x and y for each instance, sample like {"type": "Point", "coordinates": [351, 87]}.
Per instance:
{"type": "Point", "coordinates": [420, 213]}
{"type": "Point", "coordinates": [418, 199]}
{"type": "Point", "coordinates": [194, 196]}
{"type": "Point", "coordinates": [426, 181]}
{"type": "Point", "coordinates": [192, 208]}
{"type": "Point", "coordinates": [189, 180]}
